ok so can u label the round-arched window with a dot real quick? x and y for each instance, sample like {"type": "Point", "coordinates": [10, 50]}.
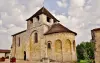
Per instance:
{"type": "Point", "coordinates": [49, 45]}
{"type": "Point", "coordinates": [67, 45]}
{"type": "Point", "coordinates": [36, 37]}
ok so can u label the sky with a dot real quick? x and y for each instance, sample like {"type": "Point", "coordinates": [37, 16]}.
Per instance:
{"type": "Point", "coordinates": [80, 16]}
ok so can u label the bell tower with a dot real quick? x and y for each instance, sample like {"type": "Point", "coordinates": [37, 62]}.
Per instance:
{"type": "Point", "coordinates": [40, 23]}
{"type": "Point", "coordinates": [41, 17]}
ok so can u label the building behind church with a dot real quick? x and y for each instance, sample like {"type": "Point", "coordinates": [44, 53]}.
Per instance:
{"type": "Point", "coordinates": [96, 38]}
{"type": "Point", "coordinates": [44, 41]}
{"type": "Point", "coordinates": [4, 53]}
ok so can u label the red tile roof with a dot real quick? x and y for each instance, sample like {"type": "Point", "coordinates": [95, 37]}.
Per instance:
{"type": "Point", "coordinates": [4, 51]}
{"type": "Point", "coordinates": [58, 28]}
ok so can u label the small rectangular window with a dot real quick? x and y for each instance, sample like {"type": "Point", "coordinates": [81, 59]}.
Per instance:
{"type": "Point", "coordinates": [36, 38]}
{"type": "Point", "coordinates": [19, 42]}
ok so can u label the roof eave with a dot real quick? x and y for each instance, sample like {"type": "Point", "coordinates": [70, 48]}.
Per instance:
{"type": "Point", "coordinates": [59, 32]}
{"type": "Point", "coordinates": [96, 29]}
{"type": "Point", "coordinates": [18, 33]}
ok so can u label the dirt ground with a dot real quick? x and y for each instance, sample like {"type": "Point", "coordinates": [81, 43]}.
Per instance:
{"type": "Point", "coordinates": [21, 61]}
{"type": "Point", "coordinates": [6, 61]}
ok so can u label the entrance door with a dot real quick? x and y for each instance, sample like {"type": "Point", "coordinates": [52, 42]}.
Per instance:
{"type": "Point", "coordinates": [24, 55]}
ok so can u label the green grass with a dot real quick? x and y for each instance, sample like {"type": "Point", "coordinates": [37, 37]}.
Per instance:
{"type": "Point", "coordinates": [84, 61]}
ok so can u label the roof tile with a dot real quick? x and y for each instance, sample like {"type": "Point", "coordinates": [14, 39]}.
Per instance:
{"type": "Point", "coordinates": [57, 28]}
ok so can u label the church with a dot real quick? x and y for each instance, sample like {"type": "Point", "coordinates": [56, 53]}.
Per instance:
{"type": "Point", "coordinates": [44, 41]}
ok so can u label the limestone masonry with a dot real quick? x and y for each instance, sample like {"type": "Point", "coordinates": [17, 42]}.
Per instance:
{"type": "Point", "coordinates": [96, 38]}
{"type": "Point", "coordinates": [44, 41]}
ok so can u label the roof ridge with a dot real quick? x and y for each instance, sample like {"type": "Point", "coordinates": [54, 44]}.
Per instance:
{"type": "Point", "coordinates": [44, 11]}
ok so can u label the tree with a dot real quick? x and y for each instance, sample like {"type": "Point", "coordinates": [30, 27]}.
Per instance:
{"type": "Point", "coordinates": [85, 51]}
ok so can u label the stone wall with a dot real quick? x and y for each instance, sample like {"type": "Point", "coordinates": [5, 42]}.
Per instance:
{"type": "Point", "coordinates": [67, 54]}
{"type": "Point", "coordinates": [38, 52]}
{"type": "Point", "coordinates": [18, 49]}
{"type": "Point", "coordinates": [97, 45]}
{"type": "Point", "coordinates": [2, 55]}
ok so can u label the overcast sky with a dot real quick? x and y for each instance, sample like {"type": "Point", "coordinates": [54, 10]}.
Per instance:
{"type": "Point", "coordinates": [78, 15]}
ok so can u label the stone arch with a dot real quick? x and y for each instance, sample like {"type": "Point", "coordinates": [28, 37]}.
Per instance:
{"type": "Point", "coordinates": [31, 40]}
{"type": "Point", "coordinates": [49, 49]}
{"type": "Point", "coordinates": [49, 45]}
{"type": "Point", "coordinates": [58, 50]}
{"type": "Point", "coordinates": [33, 36]}
{"type": "Point", "coordinates": [32, 32]}
{"type": "Point", "coordinates": [67, 45]}
{"type": "Point", "coordinates": [33, 47]}
{"type": "Point", "coordinates": [58, 46]}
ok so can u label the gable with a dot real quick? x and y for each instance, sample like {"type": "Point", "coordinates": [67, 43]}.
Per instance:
{"type": "Point", "coordinates": [43, 11]}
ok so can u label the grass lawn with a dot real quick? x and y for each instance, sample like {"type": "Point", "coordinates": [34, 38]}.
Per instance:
{"type": "Point", "coordinates": [84, 61]}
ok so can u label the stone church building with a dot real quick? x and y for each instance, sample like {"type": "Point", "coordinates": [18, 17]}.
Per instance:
{"type": "Point", "coordinates": [44, 41]}
{"type": "Point", "coordinates": [96, 38]}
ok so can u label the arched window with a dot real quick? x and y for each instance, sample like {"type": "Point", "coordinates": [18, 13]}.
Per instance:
{"type": "Point", "coordinates": [49, 45]}
{"type": "Point", "coordinates": [74, 45]}
{"type": "Point", "coordinates": [36, 38]}
{"type": "Point", "coordinates": [58, 46]}
{"type": "Point", "coordinates": [58, 50]}
{"type": "Point", "coordinates": [67, 45]}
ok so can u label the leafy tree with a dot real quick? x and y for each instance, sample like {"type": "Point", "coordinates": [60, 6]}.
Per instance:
{"type": "Point", "coordinates": [85, 51]}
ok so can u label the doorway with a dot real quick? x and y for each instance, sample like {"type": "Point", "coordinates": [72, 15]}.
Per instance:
{"type": "Point", "coordinates": [24, 55]}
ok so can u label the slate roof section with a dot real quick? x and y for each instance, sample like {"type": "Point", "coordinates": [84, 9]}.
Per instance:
{"type": "Point", "coordinates": [43, 10]}
{"type": "Point", "coordinates": [19, 33]}
{"type": "Point", "coordinates": [58, 28]}
{"type": "Point", "coordinates": [4, 51]}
